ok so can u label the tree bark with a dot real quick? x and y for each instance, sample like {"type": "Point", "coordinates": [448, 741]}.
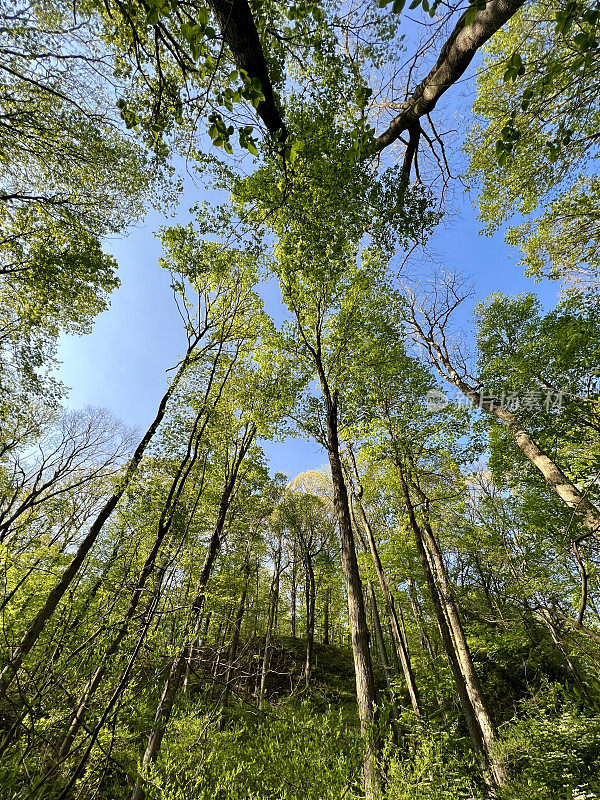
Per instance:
{"type": "Point", "coordinates": [239, 31]}
{"type": "Point", "coordinates": [459, 681]}
{"type": "Point", "coordinates": [164, 526]}
{"type": "Point", "coordinates": [383, 657]}
{"type": "Point", "coordinates": [477, 717]}
{"type": "Point", "coordinates": [363, 667]}
{"type": "Point", "coordinates": [359, 631]}
{"type": "Point", "coordinates": [200, 641]}
{"type": "Point", "coordinates": [418, 615]}
{"type": "Point", "coordinates": [474, 689]}
{"type": "Point", "coordinates": [454, 58]}
{"type": "Point", "coordinates": [549, 623]}
{"type": "Point", "coordinates": [293, 596]}
{"type": "Point", "coordinates": [235, 639]}
{"type": "Point", "coordinates": [326, 616]}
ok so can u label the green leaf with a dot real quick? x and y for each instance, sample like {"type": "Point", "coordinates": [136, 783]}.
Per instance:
{"type": "Point", "coordinates": [202, 15]}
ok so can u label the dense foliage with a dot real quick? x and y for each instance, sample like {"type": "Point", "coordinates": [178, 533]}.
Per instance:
{"type": "Point", "coordinates": [419, 618]}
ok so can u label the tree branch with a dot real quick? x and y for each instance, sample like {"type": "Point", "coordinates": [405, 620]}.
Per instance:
{"type": "Point", "coordinates": [241, 35]}
{"type": "Point", "coordinates": [455, 56]}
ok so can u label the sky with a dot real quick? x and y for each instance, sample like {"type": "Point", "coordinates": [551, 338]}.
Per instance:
{"type": "Point", "coordinates": [122, 364]}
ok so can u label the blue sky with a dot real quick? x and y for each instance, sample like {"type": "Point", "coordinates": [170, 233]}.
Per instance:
{"type": "Point", "coordinates": [122, 364]}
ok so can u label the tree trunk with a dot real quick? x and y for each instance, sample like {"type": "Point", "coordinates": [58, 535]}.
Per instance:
{"type": "Point", "coordinates": [293, 596]}
{"type": "Point", "coordinates": [383, 658]}
{"type": "Point", "coordinates": [399, 639]}
{"type": "Point", "coordinates": [585, 510]}
{"type": "Point", "coordinates": [481, 729]}
{"type": "Point", "coordinates": [449, 647]}
{"type": "Point", "coordinates": [310, 599]}
{"type": "Point", "coordinates": [418, 615]}
{"type": "Point", "coordinates": [549, 623]}
{"type": "Point", "coordinates": [326, 616]}
{"type": "Point", "coordinates": [273, 601]}
{"type": "Point", "coordinates": [235, 639]}
{"type": "Point", "coordinates": [38, 624]}
{"type": "Point", "coordinates": [194, 651]}
{"type": "Point", "coordinates": [465, 659]}
{"type": "Point", "coordinates": [167, 699]}
{"type": "Point", "coordinates": [394, 650]}
{"type": "Point", "coordinates": [164, 526]}
{"type": "Point", "coordinates": [363, 667]}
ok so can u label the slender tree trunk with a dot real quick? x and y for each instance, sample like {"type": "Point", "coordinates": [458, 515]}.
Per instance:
{"type": "Point", "coordinates": [478, 718]}
{"type": "Point", "coordinates": [172, 684]}
{"type": "Point", "coordinates": [572, 623]}
{"type": "Point", "coordinates": [363, 667]}
{"type": "Point", "coordinates": [38, 624]}
{"type": "Point", "coordinates": [394, 650]}
{"type": "Point", "coordinates": [220, 645]}
{"type": "Point", "coordinates": [359, 631]}
{"type": "Point", "coordinates": [272, 615]}
{"type": "Point", "coordinates": [8, 737]}
{"type": "Point", "coordinates": [257, 597]}
{"type": "Point", "coordinates": [465, 659]}
{"type": "Point", "coordinates": [399, 639]}
{"type": "Point", "coordinates": [194, 650]}
{"type": "Point", "coordinates": [549, 623]}
{"type": "Point", "coordinates": [383, 657]}
{"type": "Point", "coordinates": [293, 595]}
{"type": "Point", "coordinates": [90, 689]}
{"type": "Point", "coordinates": [470, 694]}
{"type": "Point", "coordinates": [164, 525]}
{"type": "Point", "coordinates": [448, 642]}
{"type": "Point", "coordinates": [419, 619]}
{"type": "Point", "coordinates": [264, 671]}
{"type": "Point", "coordinates": [235, 639]}
{"type": "Point", "coordinates": [310, 599]}
{"type": "Point", "coordinates": [326, 616]}
{"type": "Point", "coordinates": [587, 512]}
